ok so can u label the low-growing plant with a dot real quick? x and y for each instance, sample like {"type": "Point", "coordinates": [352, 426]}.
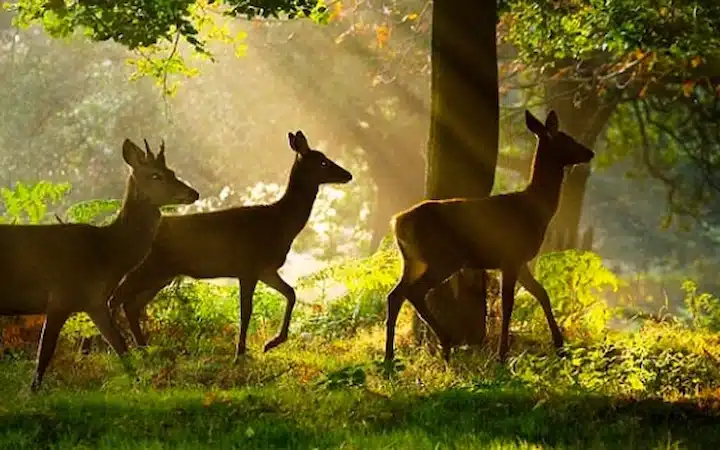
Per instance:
{"type": "Point", "coordinates": [621, 366]}
{"type": "Point", "coordinates": [365, 281]}
{"type": "Point", "coordinates": [191, 314]}
{"type": "Point", "coordinates": [575, 281]}
{"type": "Point", "coordinates": [703, 308]}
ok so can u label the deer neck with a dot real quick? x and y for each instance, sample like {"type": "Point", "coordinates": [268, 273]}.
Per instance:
{"type": "Point", "coordinates": [135, 226]}
{"type": "Point", "coordinates": [296, 204]}
{"type": "Point", "coordinates": [544, 188]}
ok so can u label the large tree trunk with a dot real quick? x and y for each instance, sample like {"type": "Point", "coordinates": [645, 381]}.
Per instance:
{"type": "Point", "coordinates": [583, 115]}
{"type": "Point", "coordinates": [464, 128]}
{"type": "Point", "coordinates": [463, 147]}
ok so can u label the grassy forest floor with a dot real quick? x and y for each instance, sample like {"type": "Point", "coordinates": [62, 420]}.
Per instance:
{"type": "Point", "coordinates": [313, 393]}
{"type": "Point", "coordinates": [654, 386]}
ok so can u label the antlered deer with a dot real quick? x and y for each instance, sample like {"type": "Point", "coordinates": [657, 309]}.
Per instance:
{"type": "Point", "coordinates": [437, 238]}
{"type": "Point", "coordinates": [249, 243]}
{"type": "Point", "coordinates": [61, 269]}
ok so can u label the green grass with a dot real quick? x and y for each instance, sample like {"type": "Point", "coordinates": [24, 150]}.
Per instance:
{"type": "Point", "coordinates": [331, 394]}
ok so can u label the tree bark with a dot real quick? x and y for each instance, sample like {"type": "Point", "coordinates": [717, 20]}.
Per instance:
{"type": "Point", "coordinates": [464, 124]}
{"type": "Point", "coordinates": [463, 147]}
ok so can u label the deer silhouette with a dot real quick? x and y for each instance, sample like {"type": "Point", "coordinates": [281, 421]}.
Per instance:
{"type": "Point", "coordinates": [437, 238]}
{"type": "Point", "coordinates": [61, 269]}
{"type": "Point", "coordinates": [249, 243]}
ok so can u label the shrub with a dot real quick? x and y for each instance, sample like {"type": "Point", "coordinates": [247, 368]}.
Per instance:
{"type": "Point", "coordinates": [574, 281]}
{"type": "Point", "coordinates": [639, 365]}
{"type": "Point", "coordinates": [366, 282]}
{"type": "Point", "coordinates": [703, 308]}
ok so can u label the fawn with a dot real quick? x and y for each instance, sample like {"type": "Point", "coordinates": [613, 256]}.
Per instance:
{"type": "Point", "coordinates": [437, 238]}
{"type": "Point", "coordinates": [249, 243]}
{"type": "Point", "coordinates": [61, 269]}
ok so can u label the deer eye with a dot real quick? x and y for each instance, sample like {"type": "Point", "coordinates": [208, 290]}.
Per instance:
{"type": "Point", "coordinates": [323, 163]}
{"type": "Point", "coordinates": [155, 176]}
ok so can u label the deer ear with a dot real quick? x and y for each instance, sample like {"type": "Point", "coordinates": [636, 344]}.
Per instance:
{"type": "Point", "coordinates": [132, 154]}
{"type": "Point", "coordinates": [301, 143]}
{"type": "Point", "coordinates": [551, 123]}
{"type": "Point", "coordinates": [533, 124]}
{"type": "Point", "coordinates": [291, 141]}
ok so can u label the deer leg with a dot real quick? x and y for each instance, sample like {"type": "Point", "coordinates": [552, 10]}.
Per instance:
{"type": "Point", "coordinates": [247, 290]}
{"type": "Point", "coordinates": [133, 297]}
{"type": "Point", "coordinates": [395, 299]}
{"type": "Point", "coordinates": [133, 310]}
{"type": "Point", "coordinates": [418, 291]}
{"type": "Point", "coordinates": [54, 322]}
{"type": "Point", "coordinates": [103, 321]}
{"type": "Point", "coordinates": [538, 291]}
{"type": "Point", "coordinates": [274, 281]}
{"type": "Point", "coordinates": [149, 275]}
{"type": "Point", "coordinates": [509, 278]}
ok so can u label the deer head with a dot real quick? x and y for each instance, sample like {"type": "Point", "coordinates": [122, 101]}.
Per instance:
{"type": "Point", "coordinates": [152, 178]}
{"type": "Point", "coordinates": [561, 147]}
{"type": "Point", "coordinates": [312, 167]}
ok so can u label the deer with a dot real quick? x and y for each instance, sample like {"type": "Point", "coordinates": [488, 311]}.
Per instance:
{"type": "Point", "coordinates": [438, 238]}
{"type": "Point", "coordinates": [60, 269]}
{"type": "Point", "coordinates": [249, 243]}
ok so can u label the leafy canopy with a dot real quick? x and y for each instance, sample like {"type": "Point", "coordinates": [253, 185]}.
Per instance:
{"type": "Point", "coordinates": [155, 29]}
{"type": "Point", "coordinates": [144, 23]}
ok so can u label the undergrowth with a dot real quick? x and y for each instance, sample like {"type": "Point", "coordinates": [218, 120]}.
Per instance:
{"type": "Point", "coordinates": [656, 385]}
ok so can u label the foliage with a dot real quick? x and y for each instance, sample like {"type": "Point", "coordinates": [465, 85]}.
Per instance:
{"type": "Point", "coordinates": [328, 377]}
{"type": "Point", "coordinates": [617, 36]}
{"type": "Point", "coordinates": [365, 283]}
{"type": "Point", "coordinates": [621, 369]}
{"type": "Point", "coordinates": [704, 308]}
{"type": "Point", "coordinates": [152, 27]}
{"type": "Point", "coordinates": [138, 23]}
{"type": "Point", "coordinates": [97, 212]}
{"type": "Point", "coordinates": [639, 393]}
{"type": "Point", "coordinates": [29, 203]}
{"type": "Point", "coordinates": [575, 281]}
{"type": "Point", "coordinates": [350, 376]}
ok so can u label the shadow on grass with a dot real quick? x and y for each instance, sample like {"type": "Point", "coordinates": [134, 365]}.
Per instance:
{"type": "Point", "coordinates": [569, 421]}
{"type": "Point", "coordinates": [317, 418]}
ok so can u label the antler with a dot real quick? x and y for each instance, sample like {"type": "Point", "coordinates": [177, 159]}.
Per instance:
{"type": "Point", "coordinates": [147, 149]}
{"type": "Point", "coordinates": [161, 154]}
